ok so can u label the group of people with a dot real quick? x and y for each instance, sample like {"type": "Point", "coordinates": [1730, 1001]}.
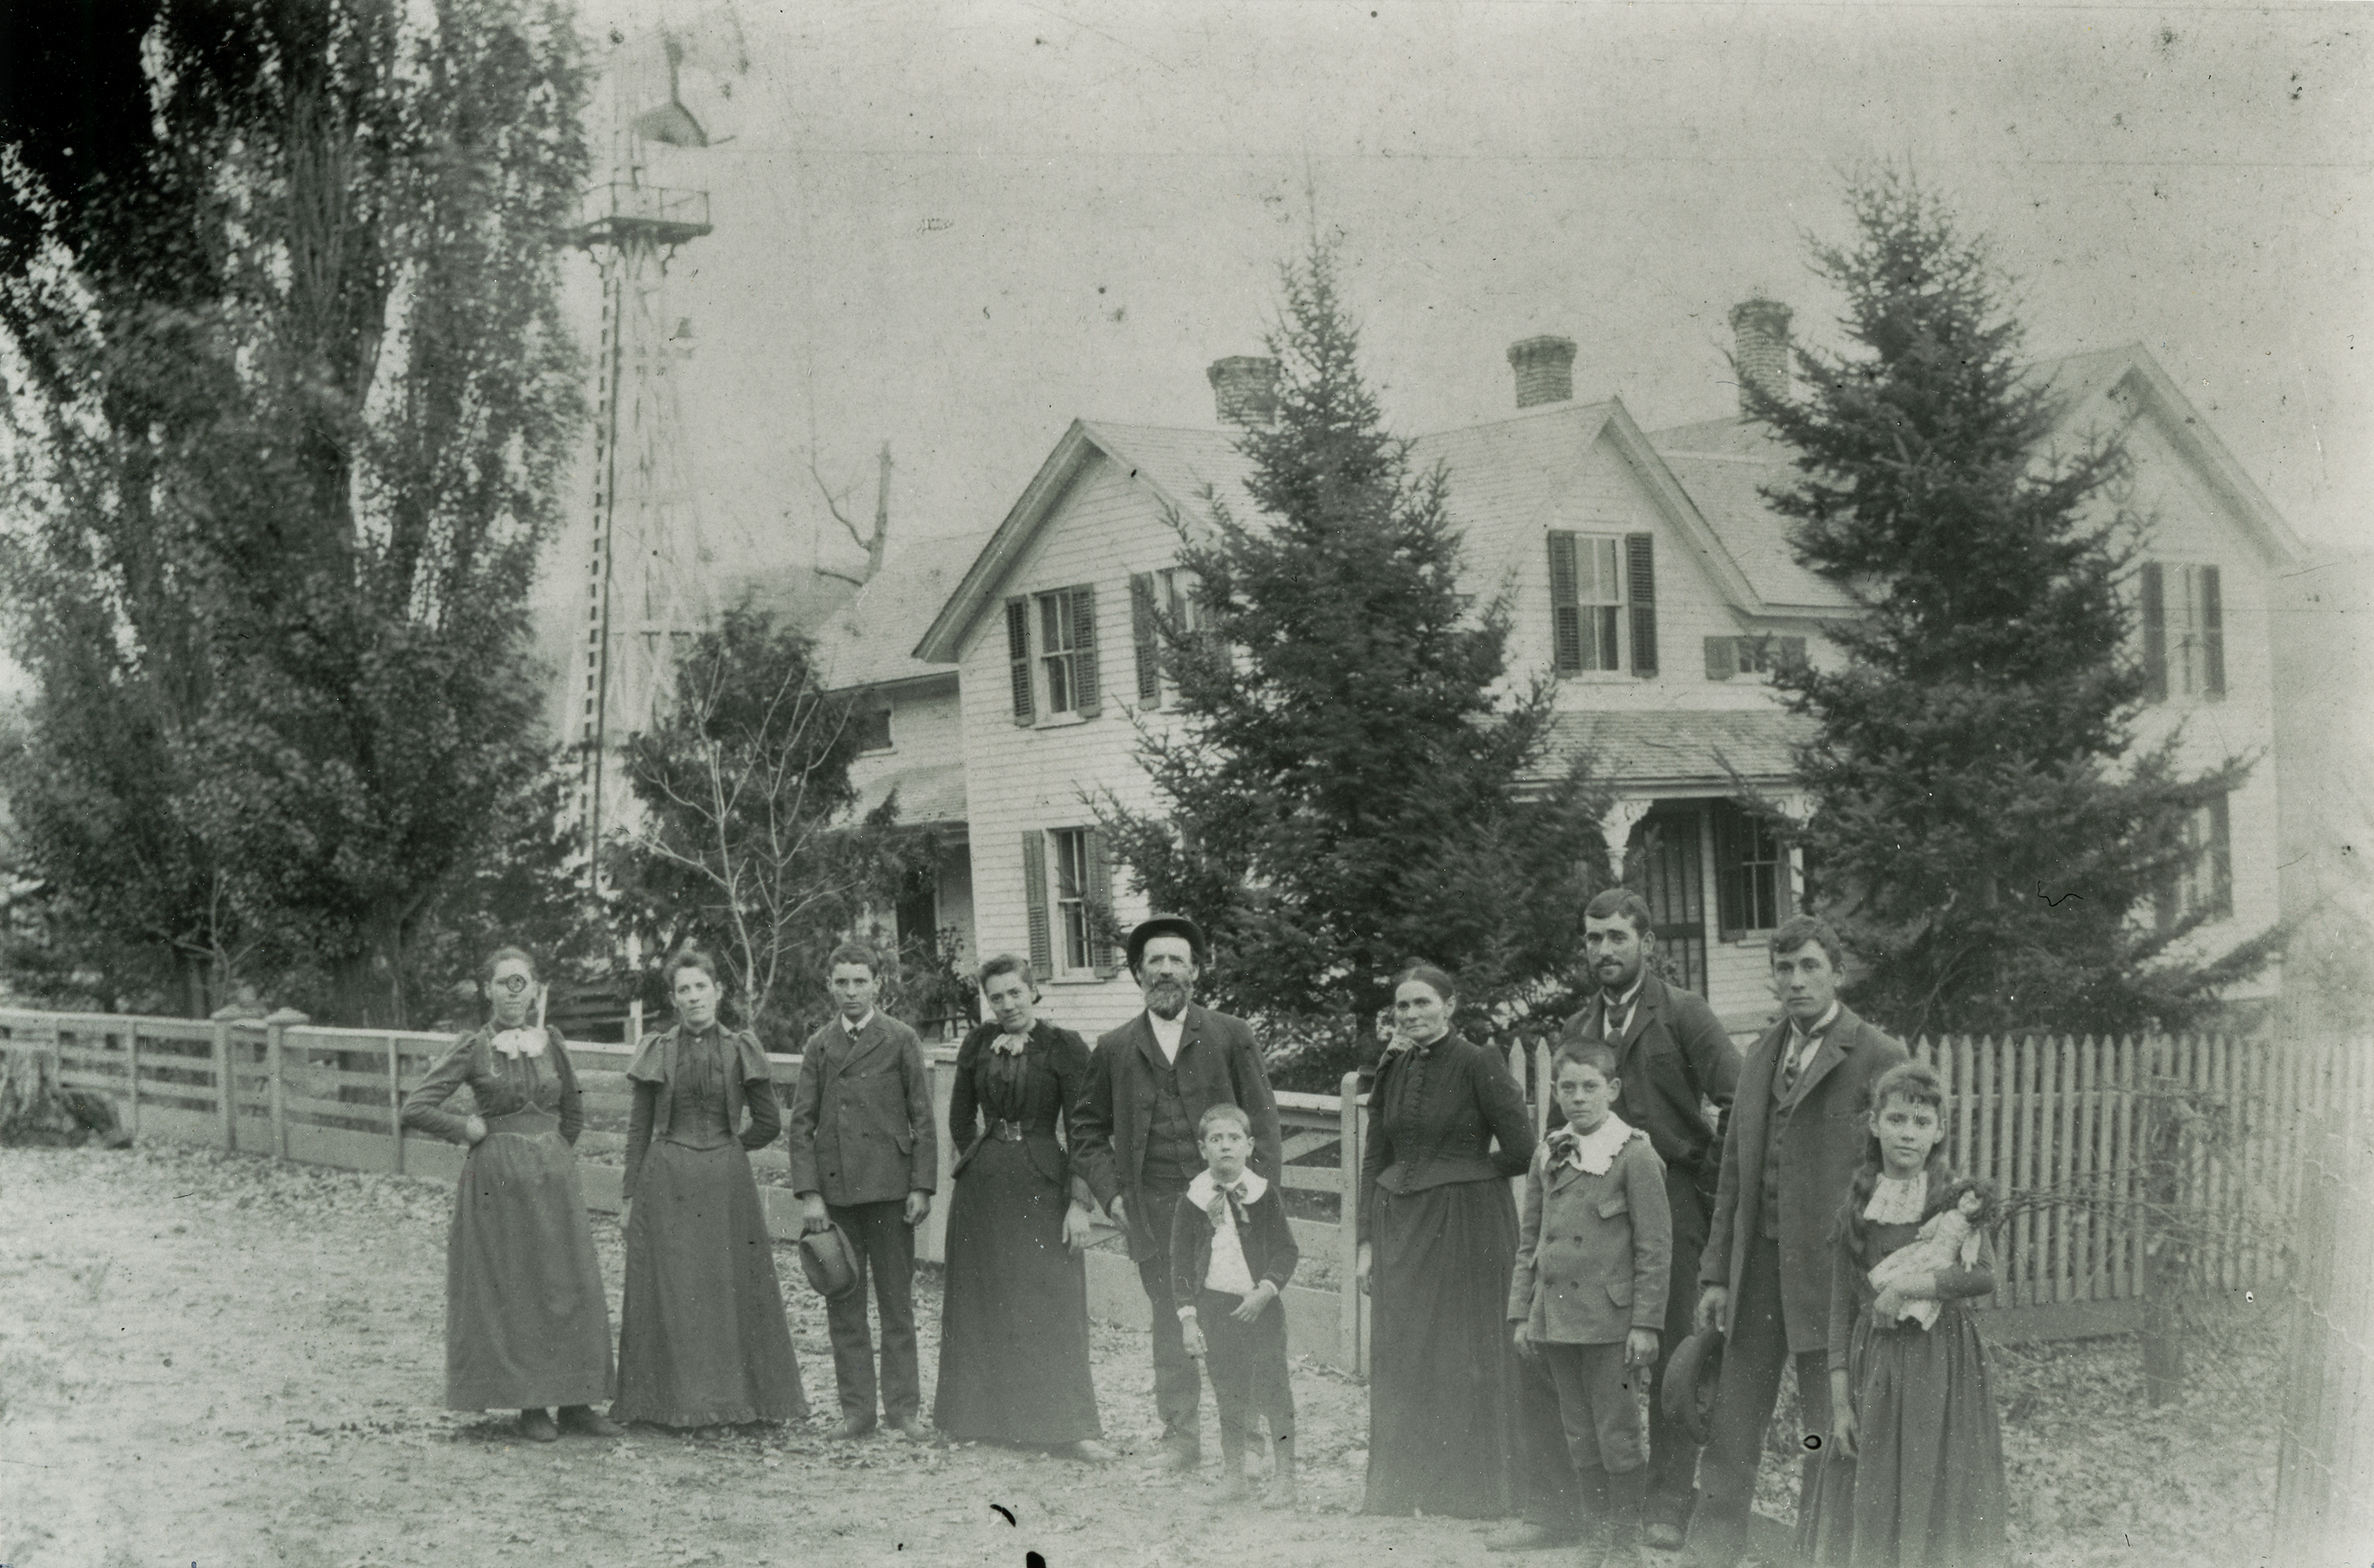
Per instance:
{"type": "Point", "coordinates": [1691, 1218]}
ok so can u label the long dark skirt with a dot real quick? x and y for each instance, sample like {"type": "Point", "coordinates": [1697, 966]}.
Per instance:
{"type": "Point", "coordinates": [525, 1322]}
{"type": "Point", "coordinates": [1013, 1330]}
{"type": "Point", "coordinates": [1926, 1487]}
{"type": "Point", "coordinates": [1442, 1374]}
{"type": "Point", "coordinates": [701, 1336]}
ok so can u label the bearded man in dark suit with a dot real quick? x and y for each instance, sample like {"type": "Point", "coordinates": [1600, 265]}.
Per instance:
{"type": "Point", "coordinates": [1796, 1135]}
{"type": "Point", "coordinates": [1149, 1083]}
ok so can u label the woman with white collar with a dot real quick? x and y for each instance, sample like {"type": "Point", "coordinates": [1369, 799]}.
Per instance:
{"type": "Point", "coordinates": [526, 1325]}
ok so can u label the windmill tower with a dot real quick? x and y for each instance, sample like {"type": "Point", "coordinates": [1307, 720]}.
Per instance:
{"type": "Point", "coordinates": [647, 581]}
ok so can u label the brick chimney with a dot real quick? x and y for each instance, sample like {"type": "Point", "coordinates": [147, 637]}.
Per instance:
{"type": "Point", "coordinates": [1760, 330]}
{"type": "Point", "coordinates": [1545, 368]}
{"type": "Point", "coordinates": [1245, 388]}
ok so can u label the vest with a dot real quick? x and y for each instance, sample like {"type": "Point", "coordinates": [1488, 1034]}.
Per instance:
{"type": "Point", "coordinates": [1171, 1155]}
{"type": "Point", "coordinates": [1768, 1200]}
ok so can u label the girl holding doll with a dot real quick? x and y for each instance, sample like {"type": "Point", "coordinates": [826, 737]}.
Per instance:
{"type": "Point", "coordinates": [1915, 1476]}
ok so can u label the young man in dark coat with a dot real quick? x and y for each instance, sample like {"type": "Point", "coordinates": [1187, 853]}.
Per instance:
{"type": "Point", "coordinates": [1672, 1058]}
{"type": "Point", "coordinates": [865, 1157]}
{"type": "Point", "coordinates": [1788, 1157]}
{"type": "Point", "coordinates": [1150, 1082]}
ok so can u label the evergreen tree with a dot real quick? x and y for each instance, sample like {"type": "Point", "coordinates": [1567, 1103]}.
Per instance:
{"type": "Point", "coordinates": [1346, 786]}
{"type": "Point", "coordinates": [1985, 831]}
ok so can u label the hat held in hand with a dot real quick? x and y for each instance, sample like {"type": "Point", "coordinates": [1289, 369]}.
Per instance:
{"type": "Point", "coordinates": [1691, 1378]}
{"type": "Point", "coordinates": [828, 1261]}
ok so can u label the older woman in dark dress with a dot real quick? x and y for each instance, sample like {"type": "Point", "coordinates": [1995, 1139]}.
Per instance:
{"type": "Point", "coordinates": [1014, 1331]}
{"type": "Point", "coordinates": [701, 1336]}
{"type": "Point", "coordinates": [1438, 1238]}
{"type": "Point", "coordinates": [527, 1327]}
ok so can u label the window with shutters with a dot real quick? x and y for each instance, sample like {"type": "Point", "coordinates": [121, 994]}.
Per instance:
{"type": "Point", "coordinates": [1071, 845]}
{"type": "Point", "coordinates": [1751, 868]}
{"type": "Point", "coordinates": [1602, 603]}
{"type": "Point", "coordinates": [1067, 883]}
{"type": "Point", "coordinates": [1154, 598]}
{"type": "Point", "coordinates": [2203, 884]}
{"type": "Point", "coordinates": [2182, 622]}
{"type": "Point", "coordinates": [1051, 650]}
{"type": "Point", "coordinates": [1727, 657]}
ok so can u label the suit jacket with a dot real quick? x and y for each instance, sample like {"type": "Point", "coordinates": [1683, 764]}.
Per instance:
{"type": "Point", "coordinates": [1267, 1240]}
{"type": "Point", "coordinates": [1594, 1253]}
{"type": "Point", "coordinates": [1217, 1062]}
{"type": "Point", "coordinates": [1055, 1079]}
{"type": "Point", "coordinates": [861, 1129]}
{"type": "Point", "coordinates": [1465, 1098]}
{"type": "Point", "coordinates": [1673, 1056]}
{"type": "Point", "coordinates": [1823, 1146]}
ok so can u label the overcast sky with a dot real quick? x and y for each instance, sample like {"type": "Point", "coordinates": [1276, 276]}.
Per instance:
{"type": "Point", "coordinates": [956, 226]}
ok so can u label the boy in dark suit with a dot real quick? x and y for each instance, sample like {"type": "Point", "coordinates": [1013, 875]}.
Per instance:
{"type": "Point", "coordinates": [1588, 1293]}
{"type": "Point", "coordinates": [1149, 1083]}
{"type": "Point", "coordinates": [1231, 1254]}
{"type": "Point", "coordinates": [865, 1157]}
{"type": "Point", "coordinates": [1795, 1137]}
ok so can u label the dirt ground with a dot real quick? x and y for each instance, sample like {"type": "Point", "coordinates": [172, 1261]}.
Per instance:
{"type": "Point", "coordinates": [223, 1361]}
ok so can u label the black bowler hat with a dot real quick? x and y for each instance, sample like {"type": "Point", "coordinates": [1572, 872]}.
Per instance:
{"type": "Point", "coordinates": [829, 1262]}
{"type": "Point", "coordinates": [1691, 1380]}
{"type": "Point", "coordinates": [1146, 931]}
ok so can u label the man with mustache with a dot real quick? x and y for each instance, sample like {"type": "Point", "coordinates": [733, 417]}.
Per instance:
{"type": "Point", "coordinates": [1673, 1060]}
{"type": "Point", "coordinates": [1150, 1082]}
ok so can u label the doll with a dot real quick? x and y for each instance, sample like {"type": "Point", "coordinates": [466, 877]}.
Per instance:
{"type": "Point", "coordinates": [1948, 1240]}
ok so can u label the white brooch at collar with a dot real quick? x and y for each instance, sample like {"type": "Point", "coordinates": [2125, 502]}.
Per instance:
{"type": "Point", "coordinates": [519, 1042]}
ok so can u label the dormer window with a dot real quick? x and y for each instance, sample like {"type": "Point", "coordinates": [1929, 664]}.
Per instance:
{"type": "Point", "coordinates": [1602, 603]}
{"type": "Point", "coordinates": [2183, 625]}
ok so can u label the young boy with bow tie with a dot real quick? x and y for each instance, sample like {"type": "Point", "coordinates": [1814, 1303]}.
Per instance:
{"type": "Point", "coordinates": [1231, 1254]}
{"type": "Point", "coordinates": [1587, 1297]}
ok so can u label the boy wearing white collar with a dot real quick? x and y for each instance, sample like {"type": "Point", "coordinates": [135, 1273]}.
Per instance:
{"type": "Point", "coordinates": [1588, 1293]}
{"type": "Point", "coordinates": [1231, 1254]}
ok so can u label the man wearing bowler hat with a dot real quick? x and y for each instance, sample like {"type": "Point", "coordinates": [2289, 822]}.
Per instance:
{"type": "Point", "coordinates": [1149, 1083]}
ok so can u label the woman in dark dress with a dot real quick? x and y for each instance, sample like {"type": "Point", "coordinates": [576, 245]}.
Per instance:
{"type": "Point", "coordinates": [1438, 1239]}
{"type": "Point", "coordinates": [1014, 1331]}
{"type": "Point", "coordinates": [701, 1336]}
{"type": "Point", "coordinates": [526, 1327]}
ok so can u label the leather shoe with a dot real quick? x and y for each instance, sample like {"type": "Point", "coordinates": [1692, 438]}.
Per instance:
{"type": "Point", "coordinates": [1527, 1535]}
{"type": "Point", "coordinates": [912, 1429]}
{"type": "Point", "coordinates": [587, 1421]}
{"type": "Point", "coordinates": [536, 1426]}
{"type": "Point", "coordinates": [1664, 1535]}
{"type": "Point", "coordinates": [1181, 1455]}
{"type": "Point", "coordinates": [1088, 1451]}
{"type": "Point", "coordinates": [849, 1429]}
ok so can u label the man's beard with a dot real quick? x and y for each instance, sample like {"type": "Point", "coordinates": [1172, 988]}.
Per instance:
{"type": "Point", "coordinates": [1167, 1000]}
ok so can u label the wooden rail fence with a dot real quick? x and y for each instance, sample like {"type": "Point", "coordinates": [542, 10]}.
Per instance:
{"type": "Point", "coordinates": [2100, 1145]}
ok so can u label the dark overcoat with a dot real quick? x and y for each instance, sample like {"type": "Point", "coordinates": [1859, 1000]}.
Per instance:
{"type": "Point", "coordinates": [860, 1123]}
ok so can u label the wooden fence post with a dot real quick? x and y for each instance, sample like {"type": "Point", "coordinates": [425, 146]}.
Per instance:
{"type": "Point", "coordinates": [131, 1072]}
{"type": "Point", "coordinates": [226, 1084]}
{"type": "Point", "coordinates": [395, 1105]}
{"type": "Point", "coordinates": [1348, 1225]}
{"type": "Point", "coordinates": [275, 1036]}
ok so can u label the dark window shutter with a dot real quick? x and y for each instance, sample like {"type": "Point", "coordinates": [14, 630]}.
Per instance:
{"type": "Point", "coordinates": [1034, 896]}
{"type": "Point", "coordinates": [1640, 573]}
{"type": "Point", "coordinates": [1731, 919]}
{"type": "Point", "coordinates": [2212, 633]}
{"type": "Point", "coordinates": [1565, 615]}
{"type": "Point", "coordinates": [2155, 633]}
{"type": "Point", "coordinates": [1100, 898]}
{"type": "Point", "coordinates": [1018, 655]}
{"type": "Point", "coordinates": [1721, 658]}
{"type": "Point", "coordinates": [1089, 698]}
{"type": "Point", "coordinates": [2221, 860]}
{"type": "Point", "coordinates": [1144, 636]}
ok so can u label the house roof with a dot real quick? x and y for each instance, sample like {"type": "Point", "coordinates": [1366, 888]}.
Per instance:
{"type": "Point", "coordinates": [864, 643]}
{"type": "Point", "coordinates": [927, 796]}
{"type": "Point", "coordinates": [1633, 750]}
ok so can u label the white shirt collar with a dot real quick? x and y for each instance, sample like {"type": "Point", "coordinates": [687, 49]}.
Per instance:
{"type": "Point", "coordinates": [1201, 1190]}
{"type": "Point", "coordinates": [1167, 1031]}
{"type": "Point", "coordinates": [1799, 1033]}
{"type": "Point", "coordinates": [1897, 1201]}
{"type": "Point", "coordinates": [1598, 1147]}
{"type": "Point", "coordinates": [859, 1027]}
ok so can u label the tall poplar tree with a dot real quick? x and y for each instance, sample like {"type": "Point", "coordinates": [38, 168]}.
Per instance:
{"type": "Point", "coordinates": [1346, 786]}
{"type": "Point", "coordinates": [290, 396]}
{"type": "Point", "coordinates": [1986, 831]}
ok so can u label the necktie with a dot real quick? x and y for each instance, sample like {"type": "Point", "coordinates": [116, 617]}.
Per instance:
{"type": "Point", "coordinates": [1792, 1066]}
{"type": "Point", "coordinates": [1566, 1148]}
{"type": "Point", "coordinates": [1227, 1204]}
{"type": "Point", "coordinates": [1008, 1045]}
